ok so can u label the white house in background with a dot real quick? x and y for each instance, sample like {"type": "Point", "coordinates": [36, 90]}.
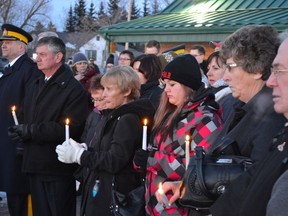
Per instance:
{"type": "Point", "coordinates": [95, 48]}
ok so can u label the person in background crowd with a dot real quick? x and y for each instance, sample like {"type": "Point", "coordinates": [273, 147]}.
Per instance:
{"type": "Point", "coordinates": [93, 122]}
{"type": "Point", "coordinates": [221, 89]}
{"type": "Point", "coordinates": [186, 108]}
{"type": "Point", "coordinates": [152, 47]}
{"type": "Point", "coordinates": [96, 90]}
{"type": "Point", "coordinates": [165, 58]}
{"type": "Point", "coordinates": [70, 61]}
{"type": "Point", "coordinates": [215, 45]}
{"type": "Point", "coordinates": [13, 85]}
{"type": "Point", "coordinates": [148, 68]}
{"type": "Point", "coordinates": [52, 98]}
{"type": "Point", "coordinates": [83, 72]}
{"type": "Point", "coordinates": [92, 63]}
{"type": "Point", "coordinates": [254, 122]}
{"type": "Point", "coordinates": [198, 51]}
{"type": "Point", "coordinates": [47, 34]}
{"type": "Point", "coordinates": [111, 61]}
{"type": "Point", "coordinates": [120, 135]}
{"type": "Point", "coordinates": [126, 57]}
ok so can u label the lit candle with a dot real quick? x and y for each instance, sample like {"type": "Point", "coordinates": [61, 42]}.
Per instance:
{"type": "Point", "coordinates": [14, 115]}
{"type": "Point", "coordinates": [144, 137]}
{"type": "Point", "coordinates": [187, 150]}
{"type": "Point", "coordinates": [163, 196]}
{"type": "Point", "coordinates": [67, 136]}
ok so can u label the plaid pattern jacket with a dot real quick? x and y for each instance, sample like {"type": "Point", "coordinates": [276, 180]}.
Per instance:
{"type": "Point", "coordinates": [203, 123]}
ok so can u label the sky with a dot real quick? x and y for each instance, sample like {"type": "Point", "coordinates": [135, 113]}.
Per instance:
{"type": "Point", "coordinates": [60, 9]}
{"type": "Point", "coordinates": [59, 13]}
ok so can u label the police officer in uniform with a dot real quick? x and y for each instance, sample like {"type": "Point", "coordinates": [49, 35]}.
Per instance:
{"type": "Point", "coordinates": [18, 74]}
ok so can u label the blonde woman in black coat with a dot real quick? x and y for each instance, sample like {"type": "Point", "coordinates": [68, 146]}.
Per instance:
{"type": "Point", "coordinates": [113, 150]}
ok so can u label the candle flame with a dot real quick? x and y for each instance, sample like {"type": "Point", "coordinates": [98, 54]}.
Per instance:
{"type": "Point", "coordinates": [67, 121]}
{"type": "Point", "coordinates": [145, 122]}
{"type": "Point", "coordinates": [187, 138]}
{"type": "Point", "coordinates": [13, 108]}
{"type": "Point", "coordinates": [160, 189]}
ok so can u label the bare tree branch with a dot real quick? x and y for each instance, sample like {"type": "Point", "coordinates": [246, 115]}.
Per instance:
{"type": "Point", "coordinates": [24, 14]}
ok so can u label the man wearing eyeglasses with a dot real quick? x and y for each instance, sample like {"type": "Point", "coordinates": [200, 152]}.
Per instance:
{"type": "Point", "coordinates": [278, 81]}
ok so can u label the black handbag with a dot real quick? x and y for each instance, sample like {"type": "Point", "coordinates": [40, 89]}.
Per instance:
{"type": "Point", "coordinates": [130, 204]}
{"type": "Point", "coordinates": [208, 176]}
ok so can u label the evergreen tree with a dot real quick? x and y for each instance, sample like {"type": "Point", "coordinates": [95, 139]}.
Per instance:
{"type": "Point", "coordinates": [70, 22]}
{"type": "Point", "coordinates": [80, 10]}
{"type": "Point", "coordinates": [75, 18]}
{"type": "Point", "coordinates": [51, 27]}
{"type": "Point", "coordinates": [116, 13]}
{"type": "Point", "coordinates": [39, 27]}
{"type": "Point", "coordinates": [91, 18]}
{"type": "Point", "coordinates": [145, 8]}
{"type": "Point", "coordinates": [113, 7]}
{"type": "Point", "coordinates": [101, 13]}
{"type": "Point", "coordinates": [102, 19]}
{"type": "Point", "coordinates": [155, 7]}
{"type": "Point", "coordinates": [135, 12]}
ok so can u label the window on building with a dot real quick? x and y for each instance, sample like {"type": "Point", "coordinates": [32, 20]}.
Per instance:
{"type": "Point", "coordinates": [91, 54]}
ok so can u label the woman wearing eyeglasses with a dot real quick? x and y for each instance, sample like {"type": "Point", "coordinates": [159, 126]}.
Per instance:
{"type": "Point", "coordinates": [248, 55]}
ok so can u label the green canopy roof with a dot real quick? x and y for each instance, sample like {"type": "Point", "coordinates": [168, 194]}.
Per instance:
{"type": "Point", "coordinates": [200, 20]}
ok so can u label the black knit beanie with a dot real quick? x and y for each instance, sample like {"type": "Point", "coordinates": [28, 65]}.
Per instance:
{"type": "Point", "coordinates": [185, 70]}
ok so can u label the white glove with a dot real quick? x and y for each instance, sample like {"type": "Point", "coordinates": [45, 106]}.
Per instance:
{"type": "Point", "coordinates": [70, 153]}
{"type": "Point", "coordinates": [75, 144]}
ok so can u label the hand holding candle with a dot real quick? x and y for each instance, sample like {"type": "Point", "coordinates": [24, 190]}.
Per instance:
{"type": "Point", "coordinates": [163, 196]}
{"type": "Point", "coordinates": [187, 150]}
{"type": "Point", "coordinates": [67, 136]}
{"type": "Point", "coordinates": [14, 115]}
{"type": "Point", "coordinates": [144, 137]}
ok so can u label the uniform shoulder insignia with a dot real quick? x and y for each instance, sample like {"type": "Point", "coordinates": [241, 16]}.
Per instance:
{"type": "Point", "coordinates": [281, 146]}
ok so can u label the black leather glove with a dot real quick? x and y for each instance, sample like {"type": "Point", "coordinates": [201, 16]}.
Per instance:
{"type": "Point", "coordinates": [140, 158]}
{"type": "Point", "coordinates": [19, 133]}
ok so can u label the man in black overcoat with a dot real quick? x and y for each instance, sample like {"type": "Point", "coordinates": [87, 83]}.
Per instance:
{"type": "Point", "coordinates": [17, 76]}
{"type": "Point", "coordinates": [51, 99]}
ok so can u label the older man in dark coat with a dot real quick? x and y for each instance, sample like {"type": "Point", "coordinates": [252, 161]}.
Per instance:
{"type": "Point", "coordinates": [50, 100]}
{"type": "Point", "coordinates": [20, 72]}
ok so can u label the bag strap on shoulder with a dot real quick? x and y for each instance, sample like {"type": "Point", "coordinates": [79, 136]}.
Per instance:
{"type": "Point", "coordinates": [199, 156]}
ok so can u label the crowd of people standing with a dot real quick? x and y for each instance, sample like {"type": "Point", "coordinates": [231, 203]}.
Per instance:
{"type": "Point", "coordinates": [138, 123]}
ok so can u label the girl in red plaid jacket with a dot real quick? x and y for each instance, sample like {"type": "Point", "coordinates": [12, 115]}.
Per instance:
{"type": "Point", "coordinates": [186, 108]}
